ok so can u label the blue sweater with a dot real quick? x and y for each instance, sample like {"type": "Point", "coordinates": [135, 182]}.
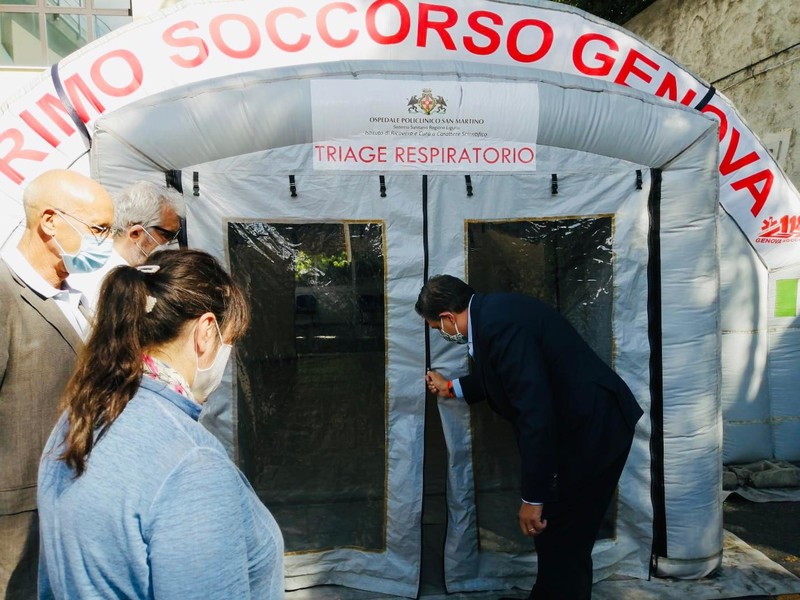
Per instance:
{"type": "Point", "coordinates": [160, 512]}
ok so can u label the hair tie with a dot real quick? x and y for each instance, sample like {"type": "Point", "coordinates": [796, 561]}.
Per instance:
{"type": "Point", "coordinates": [148, 269]}
{"type": "Point", "coordinates": [149, 303]}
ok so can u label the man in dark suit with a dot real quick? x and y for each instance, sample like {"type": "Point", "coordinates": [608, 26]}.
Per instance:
{"type": "Point", "coordinates": [67, 222]}
{"type": "Point", "coordinates": [573, 418]}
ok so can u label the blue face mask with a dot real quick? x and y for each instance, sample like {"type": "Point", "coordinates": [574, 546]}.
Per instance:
{"type": "Point", "coordinates": [91, 255]}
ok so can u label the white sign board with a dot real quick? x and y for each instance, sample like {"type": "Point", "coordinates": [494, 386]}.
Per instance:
{"type": "Point", "coordinates": [430, 125]}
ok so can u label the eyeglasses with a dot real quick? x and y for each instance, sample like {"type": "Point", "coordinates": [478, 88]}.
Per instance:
{"type": "Point", "coordinates": [168, 235]}
{"type": "Point", "coordinates": [99, 232]}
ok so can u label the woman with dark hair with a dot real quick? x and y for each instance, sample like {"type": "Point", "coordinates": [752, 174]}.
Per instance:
{"type": "Point", "coordinates": [136, 499]}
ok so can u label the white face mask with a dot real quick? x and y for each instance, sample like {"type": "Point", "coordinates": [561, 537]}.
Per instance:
{"type": "Point", "coordinates": [456, 338]}
{"type": "Point", "coordinates": [208, 379]}
{"type": "Point", "coordinates": [158, 246]}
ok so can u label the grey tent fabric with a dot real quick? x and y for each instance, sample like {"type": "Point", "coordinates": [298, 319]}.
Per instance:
{"type": "Point", "coordinates": [244, 195]}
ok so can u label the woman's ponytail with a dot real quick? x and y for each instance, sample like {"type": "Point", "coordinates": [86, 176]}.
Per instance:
{"type": "Point", "coordinates": [110, 367]}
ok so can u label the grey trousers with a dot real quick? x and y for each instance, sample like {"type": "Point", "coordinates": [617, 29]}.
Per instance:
{"type": "Point", "coordinates": [19, 555]}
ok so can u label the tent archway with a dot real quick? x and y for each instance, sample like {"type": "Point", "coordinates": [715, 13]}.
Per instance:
{"type": "Point", "coordinates": [243, 165]}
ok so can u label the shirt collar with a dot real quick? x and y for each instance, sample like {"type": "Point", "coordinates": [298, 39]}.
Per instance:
{"type": "Point", "coordinates": [23, 269]}
{"type": "Point", "coordinates": [157, 386]}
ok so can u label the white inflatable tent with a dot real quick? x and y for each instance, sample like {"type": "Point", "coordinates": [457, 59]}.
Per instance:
{"type": "Point", "coordinates": [341, 155]}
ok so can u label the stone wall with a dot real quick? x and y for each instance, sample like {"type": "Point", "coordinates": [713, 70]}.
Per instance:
{"type": "Point", "coordinates": [749, 50]}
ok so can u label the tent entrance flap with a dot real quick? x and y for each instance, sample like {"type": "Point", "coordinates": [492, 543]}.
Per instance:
{"type": "Point", "coordinates": [568, 264]}
{"type": "Point", "coordinates": [583, 251]}
{"type": "Point", "coordinates": [319, 419]}
{"type": "Point", "coordinates": [312, 379]}
{"type": "Point", "coordinates": [328, 423]}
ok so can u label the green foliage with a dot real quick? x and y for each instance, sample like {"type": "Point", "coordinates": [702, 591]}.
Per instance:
{"type": "Point", "coordinates": [317, 265]}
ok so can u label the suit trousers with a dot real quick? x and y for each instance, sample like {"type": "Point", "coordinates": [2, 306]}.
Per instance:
{"type": "Point", "coordinates": [564, 548]}
{"type": "Point", "coordinates": [19, 555]}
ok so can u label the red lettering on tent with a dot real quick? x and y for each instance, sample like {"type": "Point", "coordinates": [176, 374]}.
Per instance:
{"type": "Point", "coordinates": [136, 72]}
{"type": "Point", "coordinates": [186, 42]}
{"type": "Point", "coordinates": [490, 34]}
{"type": "Point", "coordinates": [272, 29]}
{"type": "Point", "coordinates": [759, 184]}
{"type": "Point", "coordinates": [441, 27]}
{"type": "Point", "coordinates": [253, 35]}
{"type": "Point", "coordinates": [364, 154]}
{"type": "Point", "coordinates": [322, 25]}
{"type": "Point", "coordinates": [723, 120]}
{"type": "Point", "coordinates": [402, 31]}
{"type": "Point", "coordinates": [17, 152]}
{"type": "Point", "coordinates": [729, 164]}
{"type": "Point", "coordinates": [48, 105]}
{"type": "Point", "coordinates": [513, 40]}
{"type": "Point", "coordinates": [669, 89]}
{"type": "Point", "coordinates": [631, 67]}
{"type": "Point", "coordinates": [760, 194]}
{"type": "Point", "coordinates": [75, 84]}
{"type": "Point", "coordinates": [606, 61]}
{"type": "Point", "coordinates": [38, 128]}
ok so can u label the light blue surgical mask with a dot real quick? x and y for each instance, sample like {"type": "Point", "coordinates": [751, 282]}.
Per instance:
{"type": "Point", "coordinates": [456, 338]}
{"type": "Point", "coordinates": [92, 254]}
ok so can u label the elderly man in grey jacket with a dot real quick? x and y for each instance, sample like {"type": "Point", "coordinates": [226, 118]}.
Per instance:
{"type": "Point", "coordinates": [68, 219]}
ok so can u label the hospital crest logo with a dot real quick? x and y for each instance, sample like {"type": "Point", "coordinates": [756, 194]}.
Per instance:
{"type": "Point", "coordinates": [427, 103]}
{"type": "Point", "coordinates": [783, 229]}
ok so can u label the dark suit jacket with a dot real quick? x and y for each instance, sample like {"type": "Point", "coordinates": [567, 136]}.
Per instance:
{"type": "Point", "coordinates": [571, 413]}
{"type": "Point", "coordinates": [38, 350]}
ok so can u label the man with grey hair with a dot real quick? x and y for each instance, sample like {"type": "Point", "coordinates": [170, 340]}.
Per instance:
{"type": "Point", "coordinates": [146, 218]}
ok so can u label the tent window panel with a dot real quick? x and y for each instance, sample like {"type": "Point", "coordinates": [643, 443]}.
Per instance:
{"type": "Point", "coordinates": [311, 378]}
{"type": "Point", "coordinates": [568, 263]}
